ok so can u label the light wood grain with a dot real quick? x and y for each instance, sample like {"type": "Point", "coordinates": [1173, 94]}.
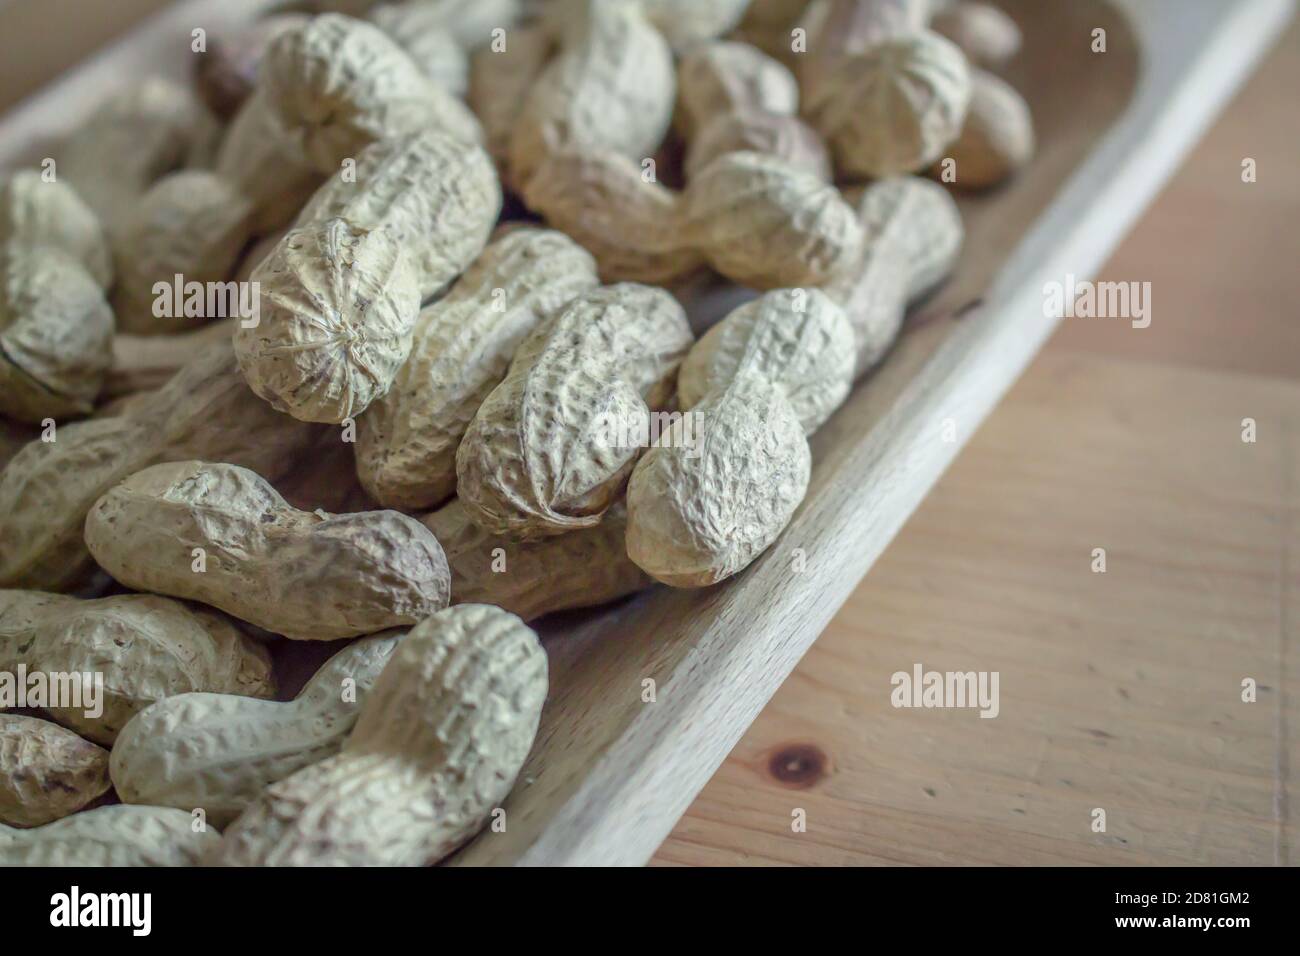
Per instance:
{"type": "Point", "coordinates": [1127, 682]}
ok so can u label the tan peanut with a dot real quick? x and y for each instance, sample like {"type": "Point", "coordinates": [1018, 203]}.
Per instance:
{"type": "Point", "coordinates": [890, 95]}
{"type": "Point", "coordinates": [36, 213]}
{"type": "Point", "coordinates": [222, 535]}
{"type": "Point", "coordinates": [914, 234]}
{"type": "Point", "coordinates": [769, 25]}
{"type": "Point", "coordinates": [755, 219]}
{"type": "Point", "coordinates": [439, 743]}
{"type": "Point", "coordinates": [407, 440]}
{"type": "Point", "coordinates": [499, 81]}
{"type": "Point", "coordinates": [191, 224]}
{"type": "Point", "coordinates": [545, 453]}
{"type": "Point", "coordinates": [687, 23]}
{"type": "Point", "coordinates": [205, 411]}
{"type": "Point", "coordinates": [338, 84]}
{"type": "Point", "coordinates": [55, 325]}
{"type": "Point", "coordinates": [144, 648]}
{"type": "Point", "coordinates": [129, 141]}
{"type": "Point", "coordinates": [219, 751]}
{"type": "Point", "coordinates": [610, 88]}
{"type": "Point", "coordinates": [46, 772]}
{"type": "Point", "coordinates": [439, 34]}
{"type": "Point", "coordinates": [583, 568]}
{"type": "Point", "coordinates": [226, 74]}
{"type": "Point", "coordinates": [735, 98]}
{"type": "Point", "coordinates": [341, 292]}
{"type": "Point", "coordinates": [997, 139]}
{"type": "Point", "coordinates": [725, 481]}
{"type": "Point", "coordinates": [111, 836]}
{"type": "Point", "coordinates": [470, 22]}
{"type": "Point", "coordinates": [987, 35]}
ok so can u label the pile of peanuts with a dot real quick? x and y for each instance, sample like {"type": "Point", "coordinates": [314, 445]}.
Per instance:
{"type": "Point", "coordinates": [406, 446]}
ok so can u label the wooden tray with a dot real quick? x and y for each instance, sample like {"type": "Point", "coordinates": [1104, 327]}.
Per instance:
{"type": "Point", "coordinates": [611, 774]}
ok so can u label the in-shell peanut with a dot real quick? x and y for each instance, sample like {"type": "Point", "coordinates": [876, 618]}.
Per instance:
{"type": "Point", "coordinates": [436, 749]}
{"type": "Point", "coordinates": [701, 507]}
{"type": "Point", "coordinates": [46, 771]}
{"type": "Point", "coordinates": [111, 836]}
{"type": "Point", "coordinates": [997, 138]}
{"type": "Point", "coordinates": [218, 752]}
{"type": "Point", "coordinates": [582, 568]}
{"type": "Point", "coordinates": [552, 445]}
{"type": "Point", "coordinates": [407, 440]}
{"type": "Point", "coordinates": [222, 535]}
{"type": "Point", "coordinates": [143, 648]}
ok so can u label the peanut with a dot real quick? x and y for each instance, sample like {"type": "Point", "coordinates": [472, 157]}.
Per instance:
{"type": "Point", "coordinates": [521, 576]}
{"type": "Point", "coordinates": [758, 383]}
{"type": "Point", "coordinates": [308, 576]}
{"type": "Point", "coordinates": [470, 22]}
{"type": "Point", "coordinates": [890, 95]}
{"type": "Point", "coordinates": [55, 330]}
{"type": "Point", "coordinates": [755, 219]}
{"type": "Point", "coordinates": [341, 293]}
{"type": "Point", "coordinates": [997, 138]}
{"type": "Point", "coordinates": [437, 747]}
{"type": "Point", "coordinates": [143, 363]}
{"type": "Point", "coordinates": [339, 84]}
{"type": "Point", "coordinates": [129, 141]}
{"type": "Point", "coordinates": [46, 772]}
{"type": "Point", "coordinates": [146, 647]}
{"type": "Point", "coordinates": [193, 224]}
{"type": "Point", "coordinates": [769, 25]}
{"type": "Point", "coordinates": [407, 440]}
{"type": "Point", "coordinates": [110, 836]}
{"type": "Point", "coordinates": [611, 88]}
{"type": "Point", "coordinates": [538, 459]}
{"type": "Point", "coordinates": [35, 213]}
{"type": "Point", "coordinates": [686, 23]}
{"type": "Point", "coordinates": [914, 234]}
{"type": "Point", "coordinates": [205, 411]}
{"type": "Point", "coordinates": [986, 35]}
{"type": "Point", "coordinates": [735, 98]}
{"type": "Point", "coordinates": [219, 751]}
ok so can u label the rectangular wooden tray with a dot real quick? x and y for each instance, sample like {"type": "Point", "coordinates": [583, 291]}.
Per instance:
{"type": "Point", "coordinates": [610, 773]}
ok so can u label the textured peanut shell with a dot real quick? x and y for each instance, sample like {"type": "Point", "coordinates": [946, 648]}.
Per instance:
{"type": "Point", "coordinates": [583, 568]}
{"type": "Point", "coordinates": [787, 138]}
{"type": "Point", "coordinates": [46, 772]}
{"type": "Point", "coordinates": [756, 219]}
{"type": "Point", "coordinates": [338, 84]}
{"type": "Point", "coordinates": [438, 745]}
{"type": "Point", "coordinates": [205, 411]}
{"type": "Point", "coordinates": [997, 138]}
{"type": "Point", "coordinates": [798, 339]}
{"type": "Point", "coordinates": [986, 34]}
{"type": "Point", "coordinates": [407, 440]}
{"type": "Point", "coordinates": [697, 517]}
{"type": "Point", "coordinates": [914, 234]}
{"type": "Point", "coordinates": [110, 836]}
{"type": "Point", "coordinates": [131, 139]}
{"type": "Point", "coordinates": [611, 87]}
{"type": "Point", "coordinates": [55, 330]}
{"type": "Point", "coordinates": [306, 575]}
{"type": "Point", "coordinates": [192, 224]}
{"type": "Point", "coordinates": [34, 213]}
{"type": "Point", "coordinates": [337, 307]}
{"type": "Point", "coordinates": [685, 23]}
{"type": "Point", "coordinates": [535, 460]}
{"type": "Point", "coordinates": [146, 647]}
{"type": "Point", "coordinates": [437, 196]}
{"type": "Point", "coordinates": [837, 31]}
{"type": "Point", "coordinates": [219, 751]}
{"type": "Point", "coordinates": [894, 108]}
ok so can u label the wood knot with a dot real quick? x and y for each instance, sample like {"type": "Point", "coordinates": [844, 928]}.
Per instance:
{"type": "Point", "coordinates": [798, 766]}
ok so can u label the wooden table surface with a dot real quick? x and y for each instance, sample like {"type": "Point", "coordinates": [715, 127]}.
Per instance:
{"type": "Point", "coordinates": [1119, 690]}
